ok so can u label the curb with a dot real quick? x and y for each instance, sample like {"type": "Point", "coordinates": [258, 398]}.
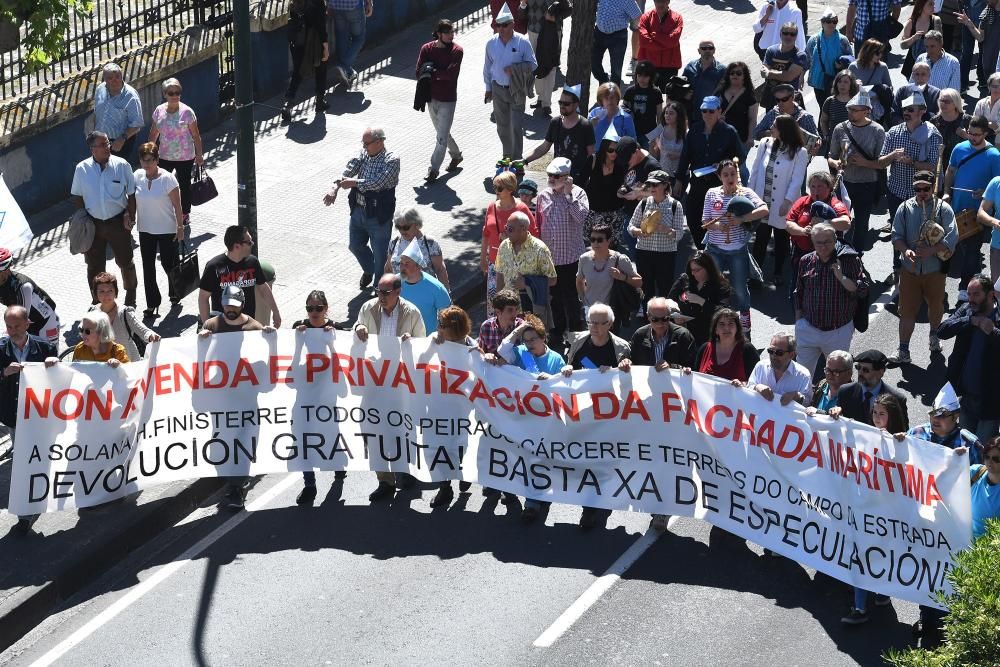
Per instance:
{"type": "Point", "coordinates": [27, 608]}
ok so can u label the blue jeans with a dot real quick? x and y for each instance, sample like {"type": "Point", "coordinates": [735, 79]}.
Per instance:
{"type": "Point", "coordinates": [737, 263]}
{"type": "Point", "coordinates": [349, 31]}
{"type": "Point", "coordinates": [969, 43]}
{"type": "Point", "coordinates": [365, 230]}
{"type": "Point", "coordinates": [614, 43]}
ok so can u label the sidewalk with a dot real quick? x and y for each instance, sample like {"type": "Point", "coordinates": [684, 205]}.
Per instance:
{"type": "Point", "coordinates": [306, 242]}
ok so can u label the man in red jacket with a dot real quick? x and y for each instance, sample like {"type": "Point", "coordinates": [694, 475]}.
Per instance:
{"type": "Point", "coordinates": [660, 41]}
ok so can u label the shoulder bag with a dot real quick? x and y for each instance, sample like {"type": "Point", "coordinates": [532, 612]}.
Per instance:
{"type": "Point", "coordinates": [203, 188]}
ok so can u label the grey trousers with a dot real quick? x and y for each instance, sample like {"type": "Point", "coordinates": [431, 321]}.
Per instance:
{"type": "Point", "coordinates": [442, 115]}
{"type": "Point", "coordinates": [509, 113]}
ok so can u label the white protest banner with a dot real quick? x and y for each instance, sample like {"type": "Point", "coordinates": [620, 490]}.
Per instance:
{"type": "Point", "coordinates": [832, 494]}
{"type": "Point", "coordinates": [14, 230]}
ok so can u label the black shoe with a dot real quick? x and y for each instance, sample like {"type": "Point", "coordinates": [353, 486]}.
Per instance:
{"type": "Point", "coordinates": [286, 112]}
{"type": "Point", "coordinates": [444, 496]}
{"type": "Point", "coordinates": [404, 481]}
{"type": "Point", "coordinates": [536, 104]}
{"type": "Point", "coordinates": [489, 492]}
{"type": "Point", "coordinates": [463, 487]}
{"type": "Point", "coordinates": [546, 111]}
{"type": "Point", "coordinates": [150, 313]}
{"type": "Point", "coordinates": [778, 280]}
{"type": "Point", "coordinates": [509, 499]}
{"type": "Point", "coordinates": [588, 518]}
{"type": "Point", "coordinates": [529, 514]}
{"type": "Point", "coordinates": [340, 75]}
{"type": "Point", "coordinates": [453, 165]}
{"type": "Point", "coordinates": [174, 301]}
{"type": "Point", "coordinates": [321, 103]}
{"type": "Point", "coordinates": [383, 490]}
{"type": "Point", "coordinates": [366, 280]}
{"type": "Point", "coordinates": [432, 175]}
{"type": "Point", "coordinates": [340, 474]}
{"type": "Point", "coordinates": [855, 617]}
{"type": "Point", "coordinates": [25, 523]}
{"type": "Point", "coordinates": [882, 600]}
{"type": "Point", "coordinates": [235, 500]}
{"type": "Point", "coordinates": [306, 496]}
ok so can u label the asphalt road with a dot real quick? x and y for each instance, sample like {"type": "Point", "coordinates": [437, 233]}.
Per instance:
{"type": "Point", "coordinates": [344, 583]}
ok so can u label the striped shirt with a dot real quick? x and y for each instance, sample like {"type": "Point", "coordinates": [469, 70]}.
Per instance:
{"type": "Point", "coordinates": [715, 205]}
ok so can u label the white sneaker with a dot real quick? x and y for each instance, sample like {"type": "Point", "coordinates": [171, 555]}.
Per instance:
{"type": "Point", "coordinates": [900, 356]}
{"type": "Point", "coordinates": [631, 68]}
{"type": "Point", "coordinates": [935, 343]}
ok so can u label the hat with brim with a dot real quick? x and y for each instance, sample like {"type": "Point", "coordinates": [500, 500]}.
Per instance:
{"type": "Point", "coordinates": [923, 176]}
{"type": "Point", "coordinates": [527, 186]}
{"type": "Point", "coordinates": [560, 166]}
{"type": "Point", "coordinates": [711, 103]}
{"type": "Point", "coordinates": [877, 359]}
{"type": "Point", "coordinates": [658, 177]}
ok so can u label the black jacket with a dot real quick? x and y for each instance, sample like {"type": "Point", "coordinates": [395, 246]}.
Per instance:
{"type": "Point", "coordinates": [959, 326]}
{"type": "Point", "coordinates": [679, 351]}
{"type": "Point", "coordinates": [716, 296]}
{"type": "Point", "coordinates": [851, 399]}
{"type": "Point", "coordinates": [39, 349]}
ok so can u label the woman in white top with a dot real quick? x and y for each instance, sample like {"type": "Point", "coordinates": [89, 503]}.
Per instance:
{"type": "Point", "coordinates": [777, 175]}
{"type": "Point", "coordinates": [990, 106]}
{"type": "Point", "coordinates": [125, 326]}
{"type": "Point", "coordinates": [160, 221]}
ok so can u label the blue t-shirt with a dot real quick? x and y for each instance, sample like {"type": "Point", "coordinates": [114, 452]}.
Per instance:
{"type": "Point", "coordinates": [430, 296]}
{"type": "Point", "coordinates": [993, 194]}
{"type": "Point", "coordinates": [985, 501]}
{"type": "Point", "coordinates": [973, 175]}
{"type": "Point", "coordinates": [550, 362]}
{"type": "Point", "coordinates": [624, 125]}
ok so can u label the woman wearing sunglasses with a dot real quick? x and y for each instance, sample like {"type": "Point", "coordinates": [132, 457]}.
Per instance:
{"type": "Point", "coordinates": [409, 224]}
{"type": "Point", "coordinates": [98, 342]}
{"type": "Point", "coordinates": [176, 126]}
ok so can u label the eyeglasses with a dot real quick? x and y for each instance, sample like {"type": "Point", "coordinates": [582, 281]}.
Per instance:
{"type": "Point", "coordinates": [993, 459]}
{"type": "Point", "coordinates": [706, 48]}
{"type": "Point", "coordinates": [922, 188]}
{"type": "Point", "coordinates": [369, 143]}
{"type": "Point", "coordinates": [87, 331]}
{"type": "Point", "coordinates": [530, 341]}
{"type": "Point", "coordinates": [403, 228]}
{"type": "Point", "coordinates": [384, 292]}
{"type": "Point", "coordinates": [658, 319]}
{"type": "Point", "coordinates": [514, 228]}
{"type": "Point", "coordinates": [598, 324]}
{"type": "Point", "coordinates": [783, 99]}
{"type": "Point", "coordinates": [836, 371]}
{"type": "Point", "coordinates": [785, 33]}
{"type": "Point", "coordinates": [173, 93]}
{"type": "Point", "coordinates": [597, 239]}
{"type": "Point", "coordinates": [828, 20]}
{"type": "Point", "coordinates": [775, 352]}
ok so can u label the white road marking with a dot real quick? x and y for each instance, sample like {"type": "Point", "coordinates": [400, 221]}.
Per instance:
{"type": "Point", "coordinates": [164, 573]}
{"type": "Point", "coordinates": [599, 587]}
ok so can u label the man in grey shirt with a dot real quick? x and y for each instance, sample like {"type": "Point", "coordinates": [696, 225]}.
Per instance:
{"type": "Point", "coordinates": [855, 147]}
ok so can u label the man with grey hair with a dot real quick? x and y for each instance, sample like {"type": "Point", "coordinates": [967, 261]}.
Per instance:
{"type": "Point", "coordinates": [117, 110]}
{"type": "Point", "coordinates": [946, 71]}
{"type": "Point", "coordinates": [104, 185]}
{"type": "Point", "coordinates": [506, 52]}
{"type": "Point", "coordinates": [661, 343]}
{"type": "Point", "coordinates": [372, 178]}
{"type": "Point", "coordinates": [919, 77]}
{"type": "Point", "coordinates": [829, 286]}
{"type": "Point", "coordinates": [836, 374]}
{"type": "Point", "coordinates": [779, 374]}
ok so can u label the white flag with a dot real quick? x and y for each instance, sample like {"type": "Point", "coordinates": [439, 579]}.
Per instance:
{"type": "Point", "coordinates": [14, 230]}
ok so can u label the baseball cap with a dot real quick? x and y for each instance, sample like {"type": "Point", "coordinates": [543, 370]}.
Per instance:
{"type": "Point", "coordinates": [711, 103]}
{"type": "Point", "coordinates": [233, 296]}
{"type": "Point", "coordinates": [658, 177]}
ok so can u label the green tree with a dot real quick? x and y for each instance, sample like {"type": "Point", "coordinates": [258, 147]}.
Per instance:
{"type": "Point", "coordinates": [46, 23]}
{"type": "Point", "coordinates": [972, 626]}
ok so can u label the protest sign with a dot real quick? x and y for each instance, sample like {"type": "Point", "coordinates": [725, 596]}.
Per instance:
{"type": "Point", "coordinates": [832, 494]}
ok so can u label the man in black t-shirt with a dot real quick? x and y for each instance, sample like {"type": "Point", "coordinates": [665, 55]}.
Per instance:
{"type": "Point", "coordinates": [570, 135]}
{"type": "Point", "coordinates": [239, 268]}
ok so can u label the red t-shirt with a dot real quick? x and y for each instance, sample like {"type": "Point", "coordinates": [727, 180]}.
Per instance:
{"type": "Point", "coordinates": [495, 226]}
{"type": "Point", "coordinates": [799, 214]}
{"type": "Point", "coordinates": [733, 369]}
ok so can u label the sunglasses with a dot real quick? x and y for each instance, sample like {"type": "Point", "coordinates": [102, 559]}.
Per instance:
{"type": "Point", "coordinates": [923, 188]}
{"type": "Point", "coordinates": [403, 228]}
{"type": "Point", "coordinates": [87, 331]}
{"type": "Point", "coordinates": [910, 109]}
{"type": "Point", "coordinates": [706, 48]}
{"type": "Point", "coordinates": [612, 149]}
{"type": "Point", "coordinates": [385, 292]}
{"type": "Point", "coordinates": [173, 93]}
{"type": "Point", "coordinates": [789, 34]}
{"type": "Point", "coordinates": [863, 369]}
{"type": "Point", "coordinates": [828, 20]}
{"type": "Point", "coordinates": [315, 309]}
{"type": "Point", "coordinates": [556, 177]}
{"type": "Point", "coordinates": [773, 351]}
{"type": "Point", "coordinates": [597, 239]}
{"type": "Point", "coordinates": [709, 110]}
{"type": "Point", "coordinates": [658, 319]}
{"type": "Point", "coordinates": [783, 99]}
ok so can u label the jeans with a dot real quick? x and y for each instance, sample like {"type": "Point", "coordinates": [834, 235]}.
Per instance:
{"type": "Point", "coordinates": [737, 262]}
{"type": "Point", "coordinates": [169, 257]}
{"type": "Point", "coordinates": [614, 43]}
{"type": "Point", "coordinates": [864, 197]}
{"type": "Point", "coordinates": [349, 31]}
{"type": "Point", "coordinates": [509, 113]}
{"type": "Point", "coordinates": [442, 115]}
{"type": "Point", "coordinates": [973, 10]}
{"type": "Point", "coordinates": [112, 232]}
{"type": "Point", "coordinates": [860, 599]}
{"type": "Point", "coordinates": [971, 418]}
{"type": "Point", "coordinates": [365, 231]}
{"type": "Point", "coordinates": [182, 169]}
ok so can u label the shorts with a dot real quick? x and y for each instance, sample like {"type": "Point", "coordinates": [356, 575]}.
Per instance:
{"type": "Point", "coordinates": [915, 289]}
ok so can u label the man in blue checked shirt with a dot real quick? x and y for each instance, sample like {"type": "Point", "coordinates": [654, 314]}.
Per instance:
{"type": "Point", "coordinates": [946, 71]}
{"type": "Point", "coordinates": [862, 12]}
{"type": "Point", "coordinates": [117, 111]}
{"type": "Point", "coordinates": [614, 17]}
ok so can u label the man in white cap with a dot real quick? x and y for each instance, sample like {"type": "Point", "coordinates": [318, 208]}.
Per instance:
{"type": "Point", "coordinates": [420, 288]}
{"type": "Point", "coordinates": [855, 147]}
{"type": "Point", "coordinates": [913, 145]}
{"type": "Point", "coordinates": [569, 136]}
{"type": "Point", "coordinates": [561, 210]}
{"type": "Point", "coordinates": [975, 360]}
{"type": "Point", "coordinates": [504, 51]}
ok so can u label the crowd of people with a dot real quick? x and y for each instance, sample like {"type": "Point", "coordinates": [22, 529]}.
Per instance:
{"type": "Point", "coordinates": [584, 271]}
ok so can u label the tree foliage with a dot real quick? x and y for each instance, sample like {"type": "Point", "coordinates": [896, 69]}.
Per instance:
{"type": "Point", "coordinates": [46, 23]}
{"type": "Point", "coordinates": [972, 626]}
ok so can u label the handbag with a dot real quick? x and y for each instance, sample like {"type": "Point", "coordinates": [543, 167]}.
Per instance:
{"type": "Point", "coordinates": [861, 305]}
{"type": "Point", "coordinates": [185, 277]}
{"type": "Point", "coordinates": [624, 298]}
{"type": "Point", "coordinates": [203, 188]}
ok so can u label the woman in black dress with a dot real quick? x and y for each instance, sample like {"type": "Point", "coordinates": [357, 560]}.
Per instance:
{"type": "Point", "coordinates": [602, 192]}
{"type": "Point", "coordinates": [739, 104]}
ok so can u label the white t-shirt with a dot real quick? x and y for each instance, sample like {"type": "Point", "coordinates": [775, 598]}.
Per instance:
{"type": "Point", "coordinates": [154, 210]}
